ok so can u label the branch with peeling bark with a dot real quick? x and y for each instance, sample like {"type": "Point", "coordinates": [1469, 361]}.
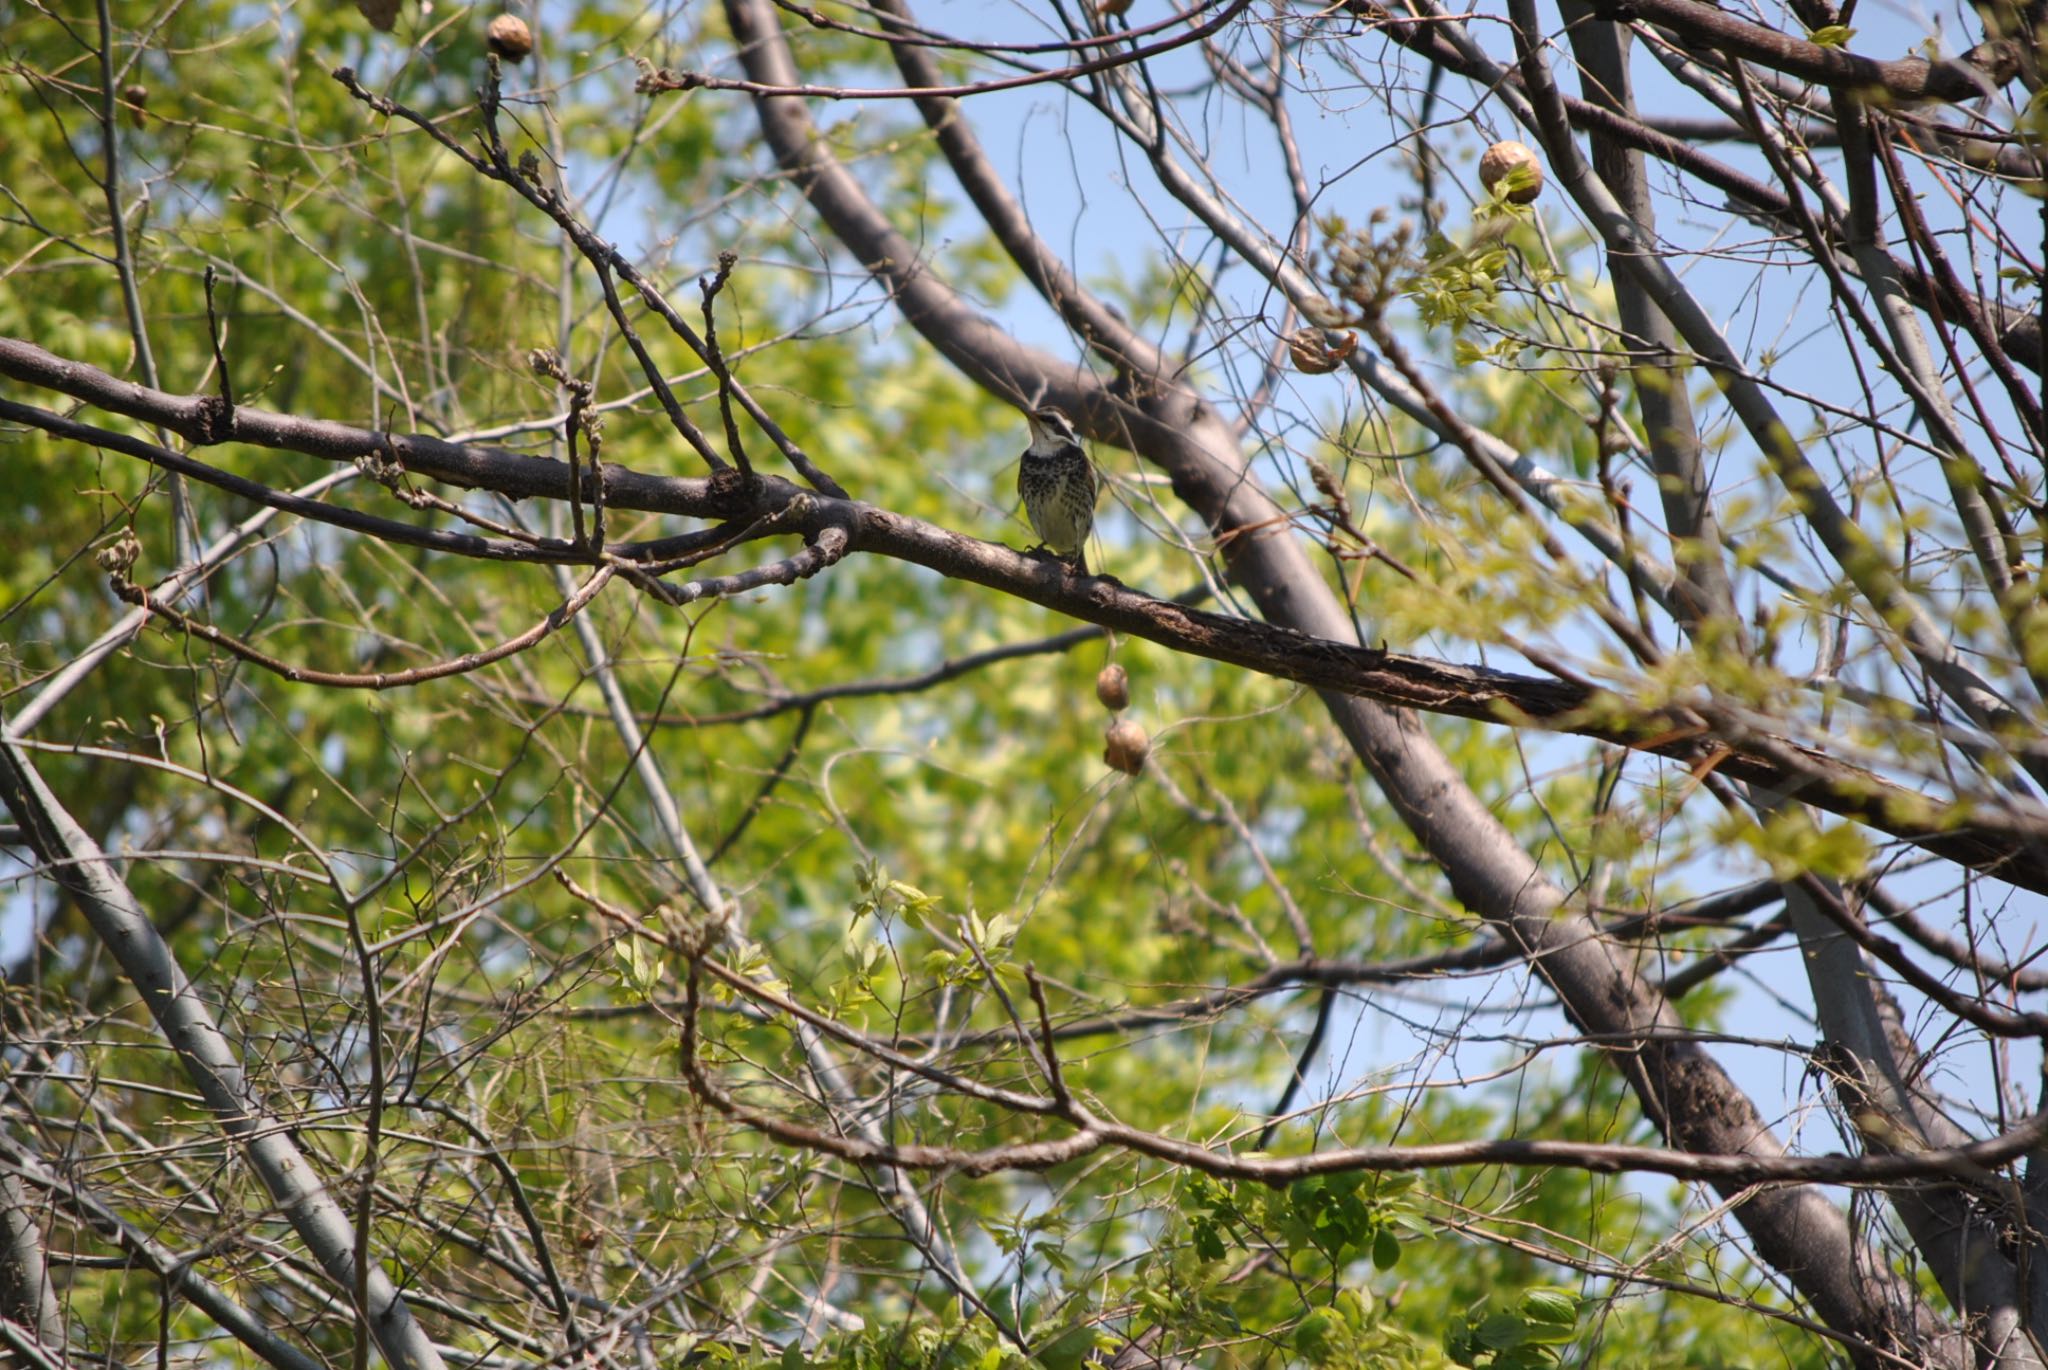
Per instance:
{"type": "Point", "coordinates": [2001, 836]}
{"type": "Point", "coordinates": [1682, 1090]}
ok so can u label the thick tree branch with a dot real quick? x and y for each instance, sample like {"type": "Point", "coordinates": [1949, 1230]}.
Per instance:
{"type": "Point", "coordinates": [1977, 72]}
{"type": "Point", "coordinates": [1684, 1092]}
{"type": "Point", "coordinates": [2001, 835]}
{"type": "Point", "coordinates": [1996, 326]}
{"type": "Point", "coordinates": [26, 1295]}
{"type": "Point", "coordinates": [1865, 563]}
{"type": "Point", "coordinates": [179, 1271]}
{"type": "Point", "coordinates": [1654, 348]}
{"type": "Point", "coordinates": [76, 862]}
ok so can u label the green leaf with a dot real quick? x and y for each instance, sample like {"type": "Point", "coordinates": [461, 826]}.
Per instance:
{"type": "Point", "coordinates": [1312, 1336]}
{"type": "Point", "coordinates": [1501, 1330]}
{"type": "Point", "coordinates": [1551, 1306]}
{"type": "Point", "coordinates": [1386, 1249]}
{"type": "Point", "coordinates": [1069, 1350]}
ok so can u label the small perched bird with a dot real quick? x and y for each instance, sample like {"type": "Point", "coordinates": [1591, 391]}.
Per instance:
{"type": "Point", "coordinates": [1057, 482]}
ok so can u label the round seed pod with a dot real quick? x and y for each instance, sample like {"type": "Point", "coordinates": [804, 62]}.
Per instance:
{"type": "Point", "coordinates": [1113, 687]}
{"type": "Point", "coordinates": [1503, 158]}
{"type": "Point", "coordinates": [1125, 747]}
{"type": "Point", "coordinates": [509, 37]}
{"type": "Point", "coordinates": [1319, 351]}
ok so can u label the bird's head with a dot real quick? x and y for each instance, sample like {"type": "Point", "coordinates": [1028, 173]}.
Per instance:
{"type": "Point", "coordinates": [1050, 427]}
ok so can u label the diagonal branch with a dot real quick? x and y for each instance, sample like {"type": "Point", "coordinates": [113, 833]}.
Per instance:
{"type": "Point", "coordinates": [2000, 330]}
{"type": "Point", "coordinates": [27, 1297]}
{"type": "Point", "coordinates": [2001, 835]}
{"type": "Point", "coordinates": [178, 1271]}
{"type": "Point", "coordinates": [76, 862]}
{"type": "Point", "coordinates": [1866, 564]}
{"type": "Point", "coordinates": [1905, 80]}
{"type": "Point", "coordinates": [1683, 1091]}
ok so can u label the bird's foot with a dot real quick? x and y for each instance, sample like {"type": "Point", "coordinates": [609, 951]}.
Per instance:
{"type": "Point", "coordinates": [1077, 565]}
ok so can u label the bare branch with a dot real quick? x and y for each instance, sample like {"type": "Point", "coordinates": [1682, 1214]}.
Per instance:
{"type": "Point", "coordinates": [76, 862]}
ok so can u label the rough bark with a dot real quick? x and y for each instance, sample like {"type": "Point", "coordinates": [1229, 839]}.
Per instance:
{"type": "Point", "coordinates": [1797, 1230]}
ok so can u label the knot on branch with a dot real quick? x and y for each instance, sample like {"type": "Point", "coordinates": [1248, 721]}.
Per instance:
{"type": "Point", "coordinates": [734, 490]}
{"type": "Point", "coordinates": [346, 76]}
{"type": "Point", "coordinates": [1981, 71]}
{"type": "Point", "coordinates": [214, 422]}
{"type": "Point", "coordinates": [694, 936]}
{"type": "Point", "coordinates": [654, 80]}
{"type": "Point", "coordinates": [118, 557]}
{"type": "Point", "coordinates": [383, 466]}
{"type": "Point", "coordinates": [123, 585]}
{"type": "Point", "coordinates": [543, 361]}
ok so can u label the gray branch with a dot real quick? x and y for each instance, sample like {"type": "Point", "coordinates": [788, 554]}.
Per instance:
{"type": "Point", "coordinates": [26, 1295]}
{"type": "Point", "coordinates": [184, 1280]}
{"type": "Point", "coordinates": [1798, 1230]}
{"type": "Point", "coordinates": [76, 862]}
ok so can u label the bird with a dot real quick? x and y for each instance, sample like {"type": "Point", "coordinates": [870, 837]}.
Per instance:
{"type": "Point", "coordinates": [1057, 483]}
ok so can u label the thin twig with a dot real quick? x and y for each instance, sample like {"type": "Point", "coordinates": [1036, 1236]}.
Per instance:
{"type": "Point", "coordinates": [714, 357]}
{"type": "Point", "coordinates": [137, 595]}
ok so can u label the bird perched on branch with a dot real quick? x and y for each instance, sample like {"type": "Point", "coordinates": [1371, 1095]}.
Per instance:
{"type": "Point", "coordinates": [1057, 483]}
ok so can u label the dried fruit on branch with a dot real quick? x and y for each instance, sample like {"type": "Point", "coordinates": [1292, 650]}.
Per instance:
{"type": "Point", "coordinates": [509, 37]}
{"type": "Point", "coordinates": [1517, 165]}
{"type": "Point", "coordinates": [1125, 747]}
{"type": "Point", "coordinates": [1319, 351]}
{"type": "Point", "coordinates": [1113, 687]}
